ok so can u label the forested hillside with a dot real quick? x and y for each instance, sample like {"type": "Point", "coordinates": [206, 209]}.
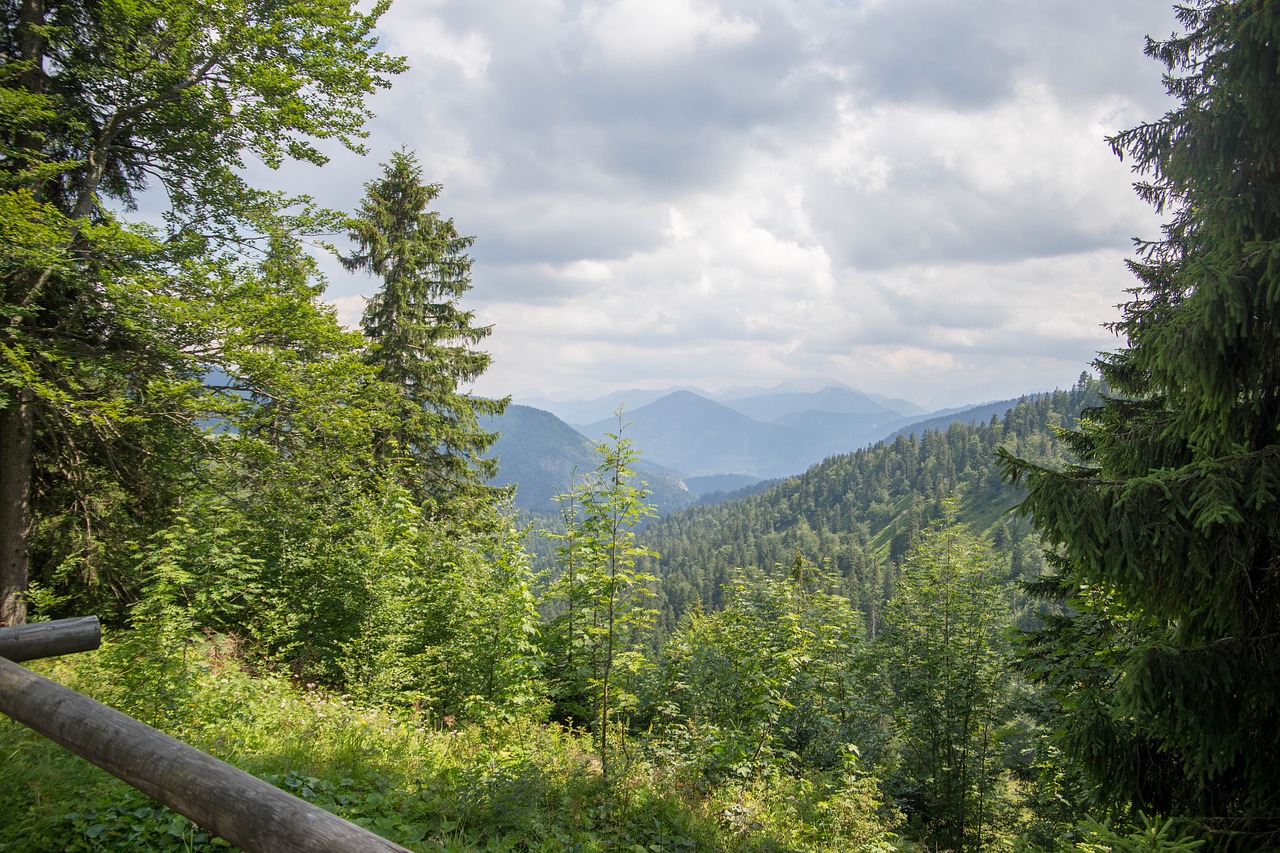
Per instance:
{"type": "Point", "coordinates": [861, 512]}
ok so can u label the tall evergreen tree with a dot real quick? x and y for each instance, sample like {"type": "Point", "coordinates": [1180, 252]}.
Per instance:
{"type": "Point", "coordinates": [1168, 532]}
{"type": "Point", "coordinates": [421, 341]}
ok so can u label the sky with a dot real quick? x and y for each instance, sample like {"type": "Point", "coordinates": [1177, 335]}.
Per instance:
{"type": "Point", "coordinates": [911, 197]}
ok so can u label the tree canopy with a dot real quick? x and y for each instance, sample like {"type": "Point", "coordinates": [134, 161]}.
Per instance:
{"type": "Point", "coordinates": [102, 330]}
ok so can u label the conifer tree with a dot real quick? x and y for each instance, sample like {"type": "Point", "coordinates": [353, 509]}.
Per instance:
{"type": "Point", "coordinates": [1168, 532]}
{"type": "Point", "coordinates": [420, 340]}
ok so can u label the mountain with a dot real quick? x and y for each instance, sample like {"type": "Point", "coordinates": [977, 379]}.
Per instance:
{"type": "Point", "coordinates": [806, 394]}
{"type": "Point", "coordinates": [836, 419]}
{"type": "Point", "coordinates": [694, 449]}
{"type": "Point", "coordinates": [768, 408]}
{"type": "Point", "coordinates": [764, 435]}
{"type": "Point", "coordinates": [790, 386]}
{"type": "Point", "coordinates": [724, 484]}
{"type": "Point", "coordinates": [906, 407]}
{"type": "Point", "coordinates": [698, 436]}
{"type": "Point", "coordinates": [981, 413]}
{"type": "Point", "coordinates": [539, 454]}
{"type": "Point", "coordinates": [600, 408]}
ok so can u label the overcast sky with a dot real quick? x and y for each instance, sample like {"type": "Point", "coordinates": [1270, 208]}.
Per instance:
{"type": "Point", "coordinates": [913, 197]}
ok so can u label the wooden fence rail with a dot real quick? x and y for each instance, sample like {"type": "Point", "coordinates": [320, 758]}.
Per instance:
{"type": "Point", "coordinates": [50, 639]}
{"type": "Point", "coordinates": [244, 810]}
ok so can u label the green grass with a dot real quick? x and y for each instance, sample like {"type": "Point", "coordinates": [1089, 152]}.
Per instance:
{"type": "Point", "coordinates": [502, 785]}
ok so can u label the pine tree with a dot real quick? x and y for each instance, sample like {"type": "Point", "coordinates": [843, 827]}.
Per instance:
{"type": "Point", "coordinates": [420, 340]}
{"type": "Point", "coordinates": [1168, 531]}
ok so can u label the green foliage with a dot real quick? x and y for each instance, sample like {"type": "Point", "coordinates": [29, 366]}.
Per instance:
{"type": "Point", "coordinates": [106, 331]}
{"type": "Point", "coordinates": [770, 681]}
{"type": "Point", "coordinates": [1154, 834]}
{"type": "Point", "coordinates": [947, 656]}
{"type": "Point", "coordinates": [449, 621]}
{"type": "Point", "coordinates": [861, 512]}
{"type": "Point", "coordinates": [500, 785]}
{"type": "Point", "coordinates": [135, 824]}
{"type": "Point", "coordinates": [843, 810]}
{"type": "Point", "coordinates": [595, 641]}
{"type": "Point", "coordinates": [1166, 532]}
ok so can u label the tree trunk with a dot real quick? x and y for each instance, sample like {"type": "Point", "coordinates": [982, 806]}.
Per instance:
{"type": "Point", "coordinates": [17, 424]}
{"type": "Point", "coordinates": [17, 417]}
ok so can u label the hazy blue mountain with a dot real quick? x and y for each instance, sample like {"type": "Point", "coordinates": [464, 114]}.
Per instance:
{"type": "Point", "coordinates": [833, 432]}
{"type": "Point", "coordinates": [906, 407]}
{"type": "Point", "coordinates": [589, 411]}
{"type": "Point", "coordinates": [539, 453]}
{"type": "Point", "coordinates": [768, 408]}
{"type": "Point", "coordinates": [804, 385]}
{"type": "Point", "coordinates": [722, 483]}
{"type": "Point", "coordinates": [698, 436]}
{"type": "Point", "coordinates": [693, 448]}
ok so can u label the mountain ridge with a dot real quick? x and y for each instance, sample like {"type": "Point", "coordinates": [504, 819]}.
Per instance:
{"type": "Point", "coordinates": [694, 449]}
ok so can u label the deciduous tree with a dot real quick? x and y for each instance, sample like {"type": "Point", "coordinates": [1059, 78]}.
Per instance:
{"type": "Point", "coordinates": [948, 660]}
{"type": "Point", "coordinates": [597, 640]}
{"type": "Point", "coordinates": [102, 101]}
{"type": "Point", "coordinates": [770, 680]}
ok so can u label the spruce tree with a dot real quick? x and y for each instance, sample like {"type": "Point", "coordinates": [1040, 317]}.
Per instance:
{"type": "Point", "coordinates": [1167, 533]}
{"type": "Point", "coordinates": [420, 341]}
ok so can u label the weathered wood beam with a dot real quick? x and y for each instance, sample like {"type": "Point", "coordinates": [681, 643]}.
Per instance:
{"type": "Point", "coordinates": [50, 639]}
{"type": "Point", "coordinates": [244, 810]}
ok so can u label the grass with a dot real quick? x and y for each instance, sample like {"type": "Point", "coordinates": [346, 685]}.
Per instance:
{"type": "Point", "coordinates": [502, 785]}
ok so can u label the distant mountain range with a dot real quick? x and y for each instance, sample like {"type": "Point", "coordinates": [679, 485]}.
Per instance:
{"type": "Point", "coordinates": [700, 437]}
{"type": "Point", "coordinates": [692, 445]}
{"type": "Point", "coordinates": [541, 455]}
{"type": "Point", "coordinates": [798, 394]}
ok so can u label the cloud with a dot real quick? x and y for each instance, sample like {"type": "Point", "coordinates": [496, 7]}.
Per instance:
{"type": "Point", "coordinates": [912, 196]}
{"type": "Point", "coordinates": [656, 31]}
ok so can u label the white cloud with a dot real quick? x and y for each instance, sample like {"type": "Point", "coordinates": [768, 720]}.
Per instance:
{"type": "Point", "coordinates": [654, 31]}
{"type": "Point", "coordinates": [847, 154]}
{"type": "Point", "coordinates": [428, 41]}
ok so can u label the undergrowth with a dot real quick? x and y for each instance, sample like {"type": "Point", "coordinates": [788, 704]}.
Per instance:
{"type": "Point", "coordinates": [515, 784]}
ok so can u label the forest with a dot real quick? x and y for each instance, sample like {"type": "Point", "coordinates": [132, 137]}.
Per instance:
{"type": "Point", "coordinates": [1054, 631]}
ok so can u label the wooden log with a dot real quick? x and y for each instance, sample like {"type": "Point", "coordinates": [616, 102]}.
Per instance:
{"type": "Point", "coordinates": [244, 810]}
{"type": "Point", "coordinates": [50, 639]}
